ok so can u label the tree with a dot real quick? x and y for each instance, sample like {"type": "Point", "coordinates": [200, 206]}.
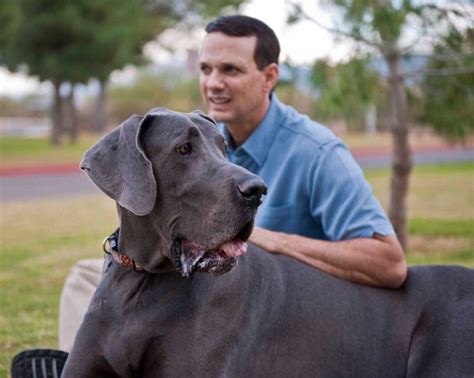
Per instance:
{"type": "Point", "coordinates": [384, 26]}
{"type": "Point", "coordinates": [64, 42]}
{"type": "Point", "coordinates": [115, 33]}
{"type": "Point", "coordinates": [347, 90]}
{"type": "Point", "coordinates": [449, 99]}
{"type": "Point", "coordinates": [72, 42]}
{"type": "Point", "coordinates": [9, 25]}
{"type": "Point", "coordinates": [159, 15]}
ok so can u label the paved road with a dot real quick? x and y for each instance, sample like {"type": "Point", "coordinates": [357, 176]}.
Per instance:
{"type": "Point", "coordinates": [31, 184]}
{"type": "Point", "coordinates": [37, 186]}
{"type": "Point", "coordinates": [449, 155]}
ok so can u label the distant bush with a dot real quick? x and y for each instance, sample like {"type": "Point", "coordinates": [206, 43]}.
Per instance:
{"type": "Point", "coordinates": [149, 91]}
{"type": "Point", "coordinates": [449, 98]}
{"type": "Point", "coordinates": [30, 106]}
{"type": "Point", "coordinates": [301, 101]}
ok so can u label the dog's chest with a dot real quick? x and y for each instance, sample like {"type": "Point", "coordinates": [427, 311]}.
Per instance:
{"type": "Point", "coordinates": [168, 324]}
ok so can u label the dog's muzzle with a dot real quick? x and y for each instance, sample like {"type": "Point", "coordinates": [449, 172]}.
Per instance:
{"type": "Point", "coordinates": [189, 257]}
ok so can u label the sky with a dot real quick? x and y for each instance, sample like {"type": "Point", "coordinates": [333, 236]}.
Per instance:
{"type": "Point", "coordinates": [301, 43]}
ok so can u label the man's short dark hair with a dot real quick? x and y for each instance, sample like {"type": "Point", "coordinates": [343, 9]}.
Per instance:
{"type": "Point", "coordinates": [267, 49]}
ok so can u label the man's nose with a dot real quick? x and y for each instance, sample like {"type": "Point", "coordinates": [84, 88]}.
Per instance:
{"type": "Point", "coordinates": [215, 81]}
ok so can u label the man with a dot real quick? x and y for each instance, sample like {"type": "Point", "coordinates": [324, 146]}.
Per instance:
{"type": "Point", "coordinates": [319, 208]}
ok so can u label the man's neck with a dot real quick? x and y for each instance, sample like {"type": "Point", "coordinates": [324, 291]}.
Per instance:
{"type": "Point", "coordinates": [241, 131]}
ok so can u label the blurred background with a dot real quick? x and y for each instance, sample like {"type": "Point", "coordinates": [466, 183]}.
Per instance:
{"type": "Point", "coordinates": [393, 79]}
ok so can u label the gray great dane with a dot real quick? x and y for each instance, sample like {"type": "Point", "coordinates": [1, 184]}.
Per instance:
{"type": "Point", "coordinates": [189, 310]}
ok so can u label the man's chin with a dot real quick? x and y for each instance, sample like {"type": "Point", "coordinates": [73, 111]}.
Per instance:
{"type": "Point", "coordinates": [218, 115]}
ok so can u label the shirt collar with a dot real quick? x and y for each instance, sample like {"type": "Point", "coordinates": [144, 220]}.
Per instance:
{"type": "Point", "coordinates": [258, 144]}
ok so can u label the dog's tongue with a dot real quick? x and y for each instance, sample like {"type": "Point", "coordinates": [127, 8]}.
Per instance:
{"type": "Point", "coordinates": [234, 248]}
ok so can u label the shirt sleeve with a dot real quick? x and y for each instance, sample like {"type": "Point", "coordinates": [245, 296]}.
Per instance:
{"type": "Point", "coordinates": [341, 200]}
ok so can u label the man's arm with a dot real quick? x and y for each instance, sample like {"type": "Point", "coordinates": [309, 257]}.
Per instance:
{"type": "Point", "coordinates": [377, 261]}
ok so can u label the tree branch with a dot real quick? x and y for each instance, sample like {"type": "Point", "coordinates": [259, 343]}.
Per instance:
{"type": "Point", "coordinates": [299, 13]}
{"type": "Point", "coordinates": [441, 71]}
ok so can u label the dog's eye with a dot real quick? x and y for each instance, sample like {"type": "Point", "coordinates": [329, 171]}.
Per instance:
{"type": "Point", "coordinates": [184, 149]}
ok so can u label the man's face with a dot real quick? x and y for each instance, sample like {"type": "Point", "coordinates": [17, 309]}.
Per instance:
{"type": "Point", "coordinates": [233, 89]}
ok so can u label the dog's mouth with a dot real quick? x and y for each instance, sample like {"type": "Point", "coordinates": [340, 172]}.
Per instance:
{"type": "Point", "coordinates": [189, 257]}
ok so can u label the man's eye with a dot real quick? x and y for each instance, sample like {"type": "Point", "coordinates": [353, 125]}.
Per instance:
{"type": "Point", "coordinates": [205, 70]}
{"type": "Point", "coordinates": [184, 149]}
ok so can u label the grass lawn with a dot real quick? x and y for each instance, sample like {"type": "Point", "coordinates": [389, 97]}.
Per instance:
{"type": "Point", "coordinates": [441, 212]}
{"type": "Point", "coordinates": [20, 152]}
{"type": "Point", "coordinates": [41, 240]}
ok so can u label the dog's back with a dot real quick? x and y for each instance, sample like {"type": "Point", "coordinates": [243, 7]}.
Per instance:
{"type": "Point", "coordinates": [320, 325]}
{"type": "Point", "coordinates": [273, 316]}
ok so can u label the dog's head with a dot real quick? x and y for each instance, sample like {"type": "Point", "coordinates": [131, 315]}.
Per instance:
{"type": "Point", "coordinates": [177, 195]}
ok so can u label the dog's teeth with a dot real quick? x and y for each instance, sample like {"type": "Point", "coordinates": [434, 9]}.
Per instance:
{"type": "Point", "coordinates": [190, 258]}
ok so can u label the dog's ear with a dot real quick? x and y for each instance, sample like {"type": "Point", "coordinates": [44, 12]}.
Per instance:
{"type": "Point", "coordinates": [205, 116]}
{"type": "Point", "coordinates": [118, 165]}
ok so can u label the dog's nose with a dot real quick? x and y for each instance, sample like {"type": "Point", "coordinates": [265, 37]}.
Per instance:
{"type": "Point", "coordinates": [252, 189]}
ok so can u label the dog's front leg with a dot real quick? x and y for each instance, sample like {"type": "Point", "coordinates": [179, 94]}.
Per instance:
{"type": "Point", "coordinates": [86, 364]}
{"type": "Point", "coordinates": [87, 358]}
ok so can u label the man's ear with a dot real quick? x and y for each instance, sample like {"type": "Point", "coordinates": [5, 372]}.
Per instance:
{"type": "Point", "coordinates": [271, 77]}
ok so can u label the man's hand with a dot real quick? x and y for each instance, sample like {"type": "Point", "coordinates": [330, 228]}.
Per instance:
{"type": "Point", "coordinates": [376, 261]}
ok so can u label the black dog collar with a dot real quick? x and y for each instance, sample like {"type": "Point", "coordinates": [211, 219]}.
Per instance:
{"type": "Point", "coordinates": [110, 246]}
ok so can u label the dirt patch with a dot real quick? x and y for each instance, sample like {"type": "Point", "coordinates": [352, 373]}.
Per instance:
{"type": "Point", "coordinates": [426, 245]}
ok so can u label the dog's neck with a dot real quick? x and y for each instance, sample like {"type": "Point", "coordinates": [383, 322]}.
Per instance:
{"type": "Point", "coordinates": [111, 247]}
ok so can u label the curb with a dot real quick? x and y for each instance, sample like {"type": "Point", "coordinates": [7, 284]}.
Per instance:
{"type": "Point", "coordinates": [375, 152]}
{"type": "Point", "coordinates": [39, 170]}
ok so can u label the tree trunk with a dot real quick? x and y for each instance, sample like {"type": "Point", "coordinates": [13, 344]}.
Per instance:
{"type": "Point", "coordinates": [57, 115]}
{"type": "Point", "coordinates": [371, 119]}
{"type": "Point", "coordinates": [99, 121]}
{"type": "Point", "coordinates": [402, 156]}
{"type": "Point", "coordinates": [70, 116]}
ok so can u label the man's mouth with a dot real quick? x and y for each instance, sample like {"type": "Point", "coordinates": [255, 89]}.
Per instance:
{"type": "Point", "coordinates": [219, 100]}
{"type": "Point", "coordinates": [192, 257]}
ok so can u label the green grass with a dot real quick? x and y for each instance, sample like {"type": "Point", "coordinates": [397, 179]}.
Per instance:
{"type": "Point", "coordinates": [441, 241]}
{"type": "Point", "coordinates": [459, 257]}
{"type": "Point", "coordinates": [442, 227]}
{"type": "Point", "coordinates": [16, 152]}
{"type": "Point", "coordinates": [435, 192]}
{"type": "Point", "coordinates": [41, 240]}
{"type": "Point", "coordinates": [441, 212]}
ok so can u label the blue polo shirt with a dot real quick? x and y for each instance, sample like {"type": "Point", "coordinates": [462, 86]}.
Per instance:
{"type": "Point", "coordinates": [315, 187]}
